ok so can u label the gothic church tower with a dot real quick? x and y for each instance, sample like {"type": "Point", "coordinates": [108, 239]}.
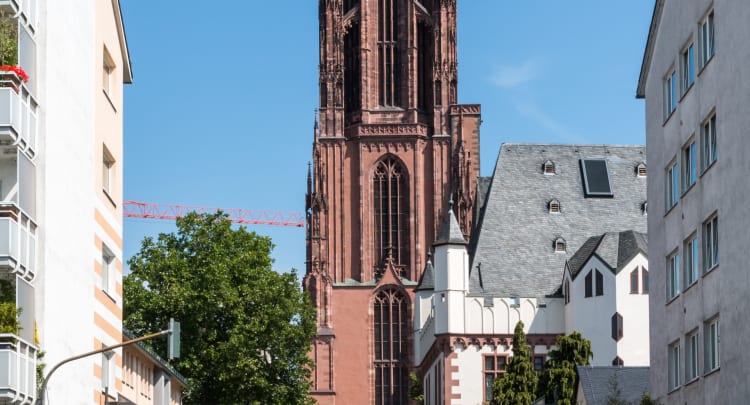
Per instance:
{"type": "Point", "coordinates": [391, 148]}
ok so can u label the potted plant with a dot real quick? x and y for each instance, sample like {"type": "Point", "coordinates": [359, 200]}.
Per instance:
{"type": "Point", "coordinates": [9, 323]}
{"type": "Point", "coordinates": [9, 51]}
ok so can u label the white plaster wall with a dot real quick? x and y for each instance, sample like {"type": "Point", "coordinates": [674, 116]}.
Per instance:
{"type": "Point", "coordinates": [502, 317]}
{"type": "Point", "coordinates": [424, 326]}
{"type": "Point", "coordinates": [633, 348]}
{"type": "Point", "coordinates": [66, 169]}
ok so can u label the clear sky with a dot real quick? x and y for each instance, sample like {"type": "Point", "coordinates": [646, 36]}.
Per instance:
{"type": "Point", "coordinates": [221, 109]}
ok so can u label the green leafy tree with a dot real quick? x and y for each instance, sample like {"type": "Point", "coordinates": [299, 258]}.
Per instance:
{"type": "Point", "coordinates": [8, 40]}
{"type": "Point", "coordinates": [9, 322]}
{"type": "Point", "coordinates": [517, 386]}
{"type": "Point", "coordinates": [246, 330]}
{"type": "Point", "coordinates": [646, 400]}
{"type": "Point", "coordinates": [415, 389]}
{"type": "Point", "coordinates": [558, 380]}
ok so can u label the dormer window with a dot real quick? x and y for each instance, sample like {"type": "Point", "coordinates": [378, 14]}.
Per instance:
{"type": "Point", "coordinates": [644, 208]}
{"type": "Point", "coordinates": [548, 168]}
{"type": "Point", "coordinates": [559, 245]}
{"type": "Point", "coordinates": [640, 170]}
{"type": "Point", "coordinates": [515, 302]}
{"type": "Point", "coordinates": [554, 206]}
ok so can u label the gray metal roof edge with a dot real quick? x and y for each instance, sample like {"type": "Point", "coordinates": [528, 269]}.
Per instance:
{"type": "Point", "coordinates": [608, 145]}
{"type": "Point", "coordinates": [648, 52]}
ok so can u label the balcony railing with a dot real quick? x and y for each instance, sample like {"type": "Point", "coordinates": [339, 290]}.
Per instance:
{"type": "Point", "coordinates": [18, 121]}
{"type": "Point", "coordinates": [17, 370]}
{"type": "Point", "coordinates": [17, 241]}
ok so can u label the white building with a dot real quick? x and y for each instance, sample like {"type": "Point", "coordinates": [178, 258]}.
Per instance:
{"type": "Point", "coordinates": [697, 94]}
{"type": "Point", "coordinates": [560, 246]}
{"type": "Point", "coordinates": [60, 194]}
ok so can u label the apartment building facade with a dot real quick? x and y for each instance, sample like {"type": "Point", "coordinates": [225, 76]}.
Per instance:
{"type": "Point", "coordinates": [697, 93]}
{"type": "Point", "coordinates": [61, 128]}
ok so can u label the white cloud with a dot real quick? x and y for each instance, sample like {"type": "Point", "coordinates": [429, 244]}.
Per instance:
{"type": "Point", "coordinates": [555, 128]}
{"type": "Point", "coordinates": [512, 76]}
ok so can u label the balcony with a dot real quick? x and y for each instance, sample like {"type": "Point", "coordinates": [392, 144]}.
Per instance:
{"type": "Point", "coordinates": [17, 370]}
{"type": "Point", "coordinates": [26, 10]}
{"type": "Point", "coordinates": [18, 121]}
{"type": "Point", "coordinates": [17, 241]}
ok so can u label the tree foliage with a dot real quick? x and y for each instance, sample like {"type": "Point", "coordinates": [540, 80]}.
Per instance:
{"type": "Point", "coordinates": [614, 396]}
{"type": "Point", "coordinates": [646, 400]}
{"type": "Point", "coordinates": [517, 386]}
{"type": "Point", "coordinates": [559, 378]}
{"type": "Point", "coordinates": [246, 330]}
{"type": "Point", "coordinates": [415, 389]}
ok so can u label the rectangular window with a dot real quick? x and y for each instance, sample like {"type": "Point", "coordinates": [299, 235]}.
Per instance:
{"type": "Point", "coordinates": [673, 361]}
{"type": "Point", "coordinates": [708, 142]}
{"type": "Point", "coordinates": [599, 283]}
{"type": "Point", "coordinates": [687, 70]}
{"type": "Point", "coordinates": [673, 185]}
{"type": "Point", "coordinates": [108, 73]}
{"type": "Point", "coordinates": [588, 287]}
{"type": "Point", "coordinates": [690, 250]}
{"type": "Point", "coordinates": [689, 169]}
{"type": "Point", "coordinates": [596, 178]}
{"type": "Point", "coordinates": [670, 94]}
{"type": "Point", "coordinates": [711, 244]}
{"type": "Point", "coordinates": [539, 363]}
{"type": "Point", "coordinates": [708, 44]}
{"type": "Point", "coordinates": [108, 171]}
{"type": "Point", "coordinates": [634, 282]}
{"type": "Point", "coordinates": [108, 271]}
{"type": "Point", "coordinates": [691, 356]}
{"type": "Point", "coordinates": [644, 272]}
{"type": "Point", "coordinates": [108, 373]}
{"type": "Point", "coordinates": [493, 367]}
{"type": "Point", "coordinates": [712, 340]}
{"type": "Point", "coordinates": [673, 276]}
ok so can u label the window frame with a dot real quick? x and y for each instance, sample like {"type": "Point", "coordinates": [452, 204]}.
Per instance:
{"type": "Point", "coordinates": [712, 345]}
{"type": "Point", "coordinates": [709, 152]}
{"type": "Point", "coordinates": [599, 277]}
{"type": "Point", "coordinates": [108, 73]}
{"type": "Point", "coordinates": [691, 356]}
{"type": "Point", "coordinates": [708, 38]}
{"type": "Point", "coordinates": [108, 171]}
{"type": "Point", "coordinates": [588, 288]}
{"type": "Point", "coordinates": [687, 68]}
{"type": "Point", "coordinates": [109, 276]}
{"type": "Point", "coordinates": [689, 166]}
{"type": "Point", "coordinates": [673, 366]}
{"type": "Point", "coordinates": [710, 244]}
{"type": "Point", "coordinates": [691, 253]}
{"type": "Point", "coordinates": [673, 276]}
{"type": "Point", "coordinates": [645, 281]}
{"type": "Point", "coordinates": [670, 93]}
{"type": "Point", "coordinates": [634, 281]}
{"type": "Point", "coordinates": [672, 185]}
{"type": "Point", "coordinates": [494, 372]}
{"type": "Point", "coordinates": [617, 326]}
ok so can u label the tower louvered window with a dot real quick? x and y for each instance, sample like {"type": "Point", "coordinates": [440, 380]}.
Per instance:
{"type": "Point", "coordinates": [388, 53]}
{"type": "Point", "coordinates": [391, 361]}
{"type": "Point", "coordinates": [352, 72]}
{"type": "Point", "coordinates": [391, 212]}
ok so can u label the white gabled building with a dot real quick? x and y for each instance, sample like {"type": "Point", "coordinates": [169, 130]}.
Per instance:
{"type": "Point", "coordinates": [536, 243]}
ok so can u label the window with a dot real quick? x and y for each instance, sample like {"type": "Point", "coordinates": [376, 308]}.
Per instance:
{"type": "Point", "coordinates": [673, 361]}
{"type": "Point", "coordinates": [711, 244]}
{"type": "Point", "coordinates": [712, 339]}
{"type": "Point", "coordinates": [617, 331]}
{"type": "Point", "coordinates": [548, 168]}
{"type": "Point", "coordinates": [708, 45]}
{"type": "Point", "coordinates": [641, 170]}
{"type": "Point", "coordinates": [673, 185]}
{"type": "Point", "coordinates": [708, 142]}
{"type": "Point", "coordinates": [108, 171]}
{"type": "Point", "coordinates": [515, 302]}
{"type": "Point", "coordinates": [560, 245]}
{"type": "Point", "coordinates": [687, 70]}
{"type": "Point", "coordinates": [493, 367]}
{"type": "Point", "coordinates": [644, 208]}
{"type": "Point", "coordinates": [566, 292]}
{"type": "Point", "coordinates": [388, 53]}
{"type": "Point", "coordinates": [670, 94]}
{"type": "Point", "coordinates": [108, 73]}
{"type": "Point", "coordinates": [691, 260]}
{"type": "Point", "coordinates": [108, 271]}
{"type": "Point", "coordinates": [588, 285]}
{"type": "Point", "coordinates": [391, 330]}
{"type": "Point", "coordinates": [691, 356]}
{"type": "Point", "coordinates": [634, 281]}
{"type": "Point", "coordinates": [599, 284]}
{"type": "Point", "coordinates": [390, 192]}
{"type": "Point", "coordinates": [539, 363]}
{"type": "Point", "coordinates": [554, 207]}
{"type": "Point", "coordinates": [689, 163]}
{"type": "Point", "coordinates": [644, 276]}
{"type": "Point", "coordinates": [596, 178]}
{"type": "Point", "coordinates": [617, 361]}
{"type": "Point", "coordinates": [673, 276]}
{"type": "Point", "coordinates": [108, 373]}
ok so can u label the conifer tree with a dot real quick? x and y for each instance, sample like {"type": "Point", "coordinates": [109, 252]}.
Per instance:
{"type": "Point", "coordinates": [518, 385]}
{"type": "Point", "coordinates": [559, 379]}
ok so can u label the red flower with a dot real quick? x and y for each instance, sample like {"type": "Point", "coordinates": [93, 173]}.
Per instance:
{"type": "Point", "coordinates": [17, 70]}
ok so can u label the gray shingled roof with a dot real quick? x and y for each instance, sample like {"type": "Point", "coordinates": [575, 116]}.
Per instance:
{"type": "Point", "coordinates": [427, 280]}
{"type": "Point", "coordinates": [615, 249]}
{"type": "Point", "coordinates": [514, 246]}
{"type": "Point", "coordinates": [596, 383]}
{"type": "Point", "coordinates": [450, 232]}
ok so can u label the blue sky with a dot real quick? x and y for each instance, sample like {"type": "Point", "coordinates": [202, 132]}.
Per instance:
{"type": "Point", "coordinates": [221, 109]}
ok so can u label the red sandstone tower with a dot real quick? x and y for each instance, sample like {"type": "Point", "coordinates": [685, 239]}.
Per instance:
{"type": "Point", "coordinates": [391, 148]}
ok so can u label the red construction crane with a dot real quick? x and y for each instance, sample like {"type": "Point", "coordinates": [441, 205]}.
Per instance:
{"type": "Point", "coordinates": [137, 209]}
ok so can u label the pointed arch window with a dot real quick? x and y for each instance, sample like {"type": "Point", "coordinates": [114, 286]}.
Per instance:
{"type": "Point", "coordinates": [391, 193]}
{"type": "Point", "coordinates": [388, 56]}
{"type": "Point", "coordinates": [391, 362]}
{"type": "Point", "coordinates": [352, 73]}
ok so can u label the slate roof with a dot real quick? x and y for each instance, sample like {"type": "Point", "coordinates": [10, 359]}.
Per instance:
{"type": "Point", "coordinates": [596, 383]}
{"type": "Point", "coordinates": [514, 241]}
{"type": "Point", "coordinates": [450, 233]}
{"type": "Point", "coordinates": [615, 249]}
{"type": "Point", "coordinates": [427, 280]}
